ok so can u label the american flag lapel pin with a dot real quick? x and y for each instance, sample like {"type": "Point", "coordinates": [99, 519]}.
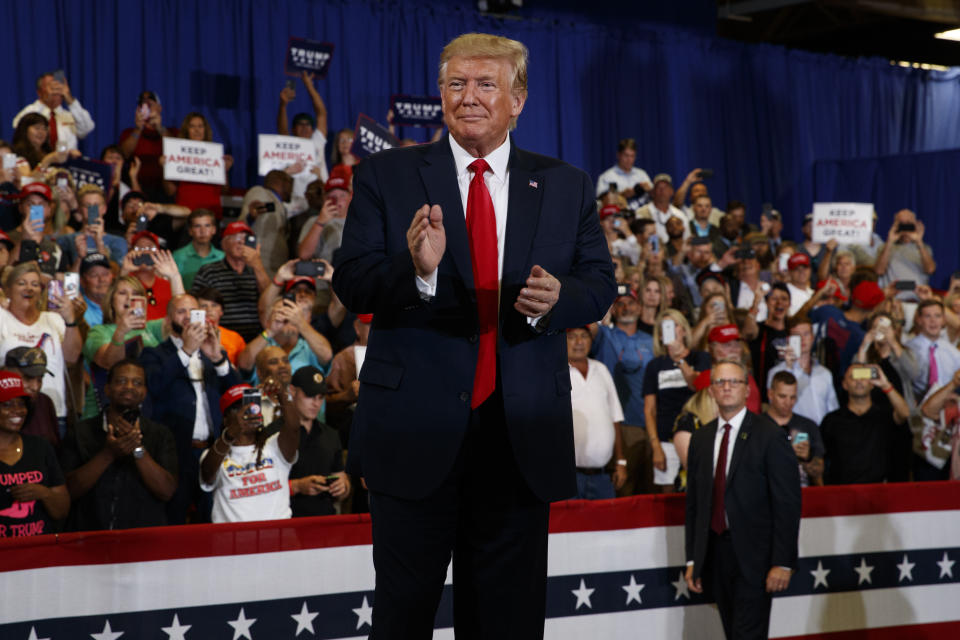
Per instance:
{"type": "Point", "coordinates": [533, 184]}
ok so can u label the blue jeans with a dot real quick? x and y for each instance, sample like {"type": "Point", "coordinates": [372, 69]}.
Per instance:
{"type": "Point", "coordinates": [595, 487]}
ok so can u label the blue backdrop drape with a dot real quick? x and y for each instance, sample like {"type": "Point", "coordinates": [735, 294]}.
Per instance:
{"type": "Point", "coordinates": [759, 115]}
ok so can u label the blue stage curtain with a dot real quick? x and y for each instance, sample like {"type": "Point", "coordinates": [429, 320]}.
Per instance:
{"type": "Point", "coordinates": [925, 183]}
{"type": "Point", "coordinates": [759, 115]}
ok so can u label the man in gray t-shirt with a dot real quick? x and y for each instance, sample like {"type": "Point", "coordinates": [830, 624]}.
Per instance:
{"type": "Point", "coordinates": [905, 256]}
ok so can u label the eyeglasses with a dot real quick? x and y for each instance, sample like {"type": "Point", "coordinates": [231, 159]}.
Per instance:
{"type": "Point", "coordinates": [727, 381]}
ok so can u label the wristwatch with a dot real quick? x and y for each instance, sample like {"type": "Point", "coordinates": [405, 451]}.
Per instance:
{"type": "Point", "coordinates": [139, 451]}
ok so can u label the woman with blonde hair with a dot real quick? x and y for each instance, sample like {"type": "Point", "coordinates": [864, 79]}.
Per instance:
{"type": "Point", "coordinates": [124, 333]}
{"type": "Point", "coordinates": [27, 323]}
{"type": "Point", "coordinates": [667, 384]}
{"type": "Point", "coordinates": [700, 409]}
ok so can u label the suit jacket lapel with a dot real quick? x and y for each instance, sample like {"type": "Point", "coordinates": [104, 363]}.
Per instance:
{"type": "Point", "coordinates": [439, 175]}
{"type": "Point", "coordinates": [740, 445]}
{"type": "Point", "coordinates": [526, 189]}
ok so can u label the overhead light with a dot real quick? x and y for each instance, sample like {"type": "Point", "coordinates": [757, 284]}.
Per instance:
{"type": "Point", "coordinates": [952, 34]}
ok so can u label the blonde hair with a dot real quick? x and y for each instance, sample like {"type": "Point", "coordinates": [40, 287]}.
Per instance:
{"type": "Point", "coordinates": [89, 188]}
{"type": "Point", "coordinates": [644, 281]}
{"type": "Point", "coordinates": [658, 347]}
{"type": "Point", "coordinates": [701, 405]}
{"type": "Point", "coordinates": [14, 274]}
{"type": "Point", "coordinates": [485, 45]}
{"type": "Point", "coordinates": [109, 317]}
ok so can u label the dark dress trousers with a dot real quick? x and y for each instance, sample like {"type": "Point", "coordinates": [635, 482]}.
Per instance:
{"type": "Point", "coordinates": [445, 478]}
{"type": "Point", "coordinates": [762, 504]}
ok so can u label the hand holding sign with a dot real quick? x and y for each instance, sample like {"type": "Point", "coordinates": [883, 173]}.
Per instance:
{"type": "Point", "coordinates": [845, 222]}
{"type": "Point", "coordinates": [193, 161]}
{"type": "Point", "coordinates": [308, 55]}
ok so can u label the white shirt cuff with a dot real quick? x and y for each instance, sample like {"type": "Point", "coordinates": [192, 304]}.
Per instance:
{"type": "Point", "coordinates": [184, 358]}
{"type": "Point", "coordinates": [427, 287]}
{"type": "Point", "coordinates": [224, 367]}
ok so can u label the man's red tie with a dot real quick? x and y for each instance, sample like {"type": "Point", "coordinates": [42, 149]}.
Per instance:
{"type": "Point", "coordinates": [718, 521]}
{"type": "Point", "coordinates": [482, 228]}
{"type": "Point", "coordinates": [53, 130]}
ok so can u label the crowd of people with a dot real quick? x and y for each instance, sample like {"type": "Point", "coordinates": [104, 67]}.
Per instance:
{"type": "Point", "coordinates": [166, 360]}
{"type": "Point", "coordinates": [847, 347]}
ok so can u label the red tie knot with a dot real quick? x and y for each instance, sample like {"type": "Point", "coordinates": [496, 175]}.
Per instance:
{"type": "Point", "coordinates": [479, 167]}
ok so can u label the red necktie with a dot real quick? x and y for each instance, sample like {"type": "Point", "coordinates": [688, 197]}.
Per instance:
{"type": "Point", "coordinates": [718, 521]}
{"type": "Point", "coordinates": [482, 228]}
{"type": "Point", "coordinates": [53, 130]}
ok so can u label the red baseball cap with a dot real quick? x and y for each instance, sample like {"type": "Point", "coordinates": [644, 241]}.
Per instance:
{"type": "Point", "coordinates": [724, 333]}
{"type": "Point", "coordinates": [4, 238]}
{"type": "Point", "coordinates": [39, 188]}
{"type": "Point", "coordinates": [365, 318]}
{"type": "Point", "coordinates": [340, 177]}
{"type": "Point", "coordinates": [838, 294]}
{"type": "Point", "coordinates": [292, 282]}
{"type": "Point", "coordinates": [867, 295]}
{"type": "Point", "coordinates": [798, 260]}
{"type": "Point", "coordinates": [232, 396]}
{"type": "Point", "coordinates": [702, 381]}
{"type": "Point", "coordinates": [236, 227]}
{"type": "Point", "coordinates": [145, 234]}
{"type": "Point", "coordinates": [609, 210]}
{"type": "Point", "coordinates": [11, 386]}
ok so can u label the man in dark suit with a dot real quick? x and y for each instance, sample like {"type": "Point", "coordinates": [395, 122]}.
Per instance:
{"type": "Point", "coordinates": [743, 508]}
{"type": "Point", "coordinates": [186, 375]}
{"type": "Point", "coordinates": [463, 427]}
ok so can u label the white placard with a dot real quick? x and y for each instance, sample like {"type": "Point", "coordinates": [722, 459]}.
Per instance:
{"type": "Point", "coordinates": [279, 152]}
{"type": "Point", "coordinates": [845, 222]}
{"type": "Point", "coordinates": [192, 161]}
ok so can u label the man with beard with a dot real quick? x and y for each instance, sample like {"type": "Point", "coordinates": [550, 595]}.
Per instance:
{"type": "Point", "coordinates": [674, 245]}
{"type": "Point", "coordinates": [121, 467]}
{"type": "Point", "coordinates": [728, 237]}
{"type": "Point", "coordinates": [186, 375]}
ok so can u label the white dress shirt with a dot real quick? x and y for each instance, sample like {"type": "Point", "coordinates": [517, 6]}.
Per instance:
{"type": "Point", "coordinates": [202, 422]}
{"type": "Point", "coordinates": [73, 122]}
{"type": "Point", "coordinates": [816, 396]}
{"type": "Point", "coordinates": [497, 180]}
{"type": "Point", "coordinates": [734, 423]}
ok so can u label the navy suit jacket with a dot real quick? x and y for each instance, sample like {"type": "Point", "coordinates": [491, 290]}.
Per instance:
{"type": "Point", "coordinates": [172, 400]}
{"type": "Point", "coordinates": [762, 498]}
{"type": "Point", "coordinates": [417, 376]}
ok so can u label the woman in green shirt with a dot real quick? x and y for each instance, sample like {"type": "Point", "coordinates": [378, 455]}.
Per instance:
{"type": "Point", "coordinates": [125, 333]}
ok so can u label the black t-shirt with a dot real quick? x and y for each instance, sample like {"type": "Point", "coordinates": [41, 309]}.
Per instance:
{"type": "Point", "coordinates": [643, 326]}
{"type": "Point", "coordinates": [860, 449]}
{"type": "Point", "coordinates": [119, 499]}
{"type": "Point", "coordinates": [664, 379]}
{"type": "Point", "coordinates": [320, 454]}
{"type": "Point", "coordinates": [37, 465]}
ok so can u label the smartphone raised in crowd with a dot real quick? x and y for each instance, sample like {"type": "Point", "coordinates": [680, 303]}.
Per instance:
{"type": "Point", "coordinates": [54, 289]}
{"type": "Point", "coordinates": [198, 316]}
{"type": "Point", "coordinates": [250, 240]}
{"type": "Point", "coordinates": [251, 399]}
{"type": "Point", "coordinates": [71, 284]}
{"type": "Point", "coordinates": [668, 329]}
{"type": "Point", "coordinates": [794, 343]}
{"type": "Point", "coordinates": [905, 285]}
{"type": "Point", "coordinates": [93, 214]}
{"type": "Point", "coordinates": [309, 268]}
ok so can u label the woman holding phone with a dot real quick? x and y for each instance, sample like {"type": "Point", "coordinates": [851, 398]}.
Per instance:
{"type": "Point", "coordinates": [668, 383]}
{"type": "Point", "coordinates": [248, 472]}
{"type": "Point", "coordinates": [27, 323]}
{"type": "Point", "coordinates": [124, 333]}
{"type": "Point", "coordinates": [156, 270]}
